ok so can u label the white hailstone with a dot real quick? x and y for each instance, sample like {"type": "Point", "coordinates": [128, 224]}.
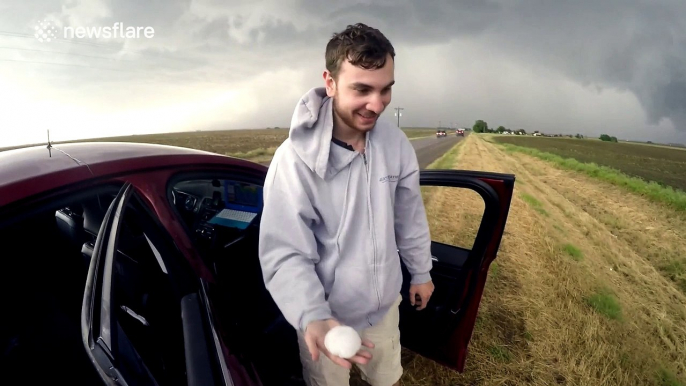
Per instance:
{"type": "Point", "coordinates": [343, 341]}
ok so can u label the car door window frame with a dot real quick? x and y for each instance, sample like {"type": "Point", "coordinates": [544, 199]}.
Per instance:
{"type": "Point", "coordinates": [489, 220]}
{"type": "Point", "coordinates": [444, 323]}
{"type": "Point", "coordinates": [99, 324]}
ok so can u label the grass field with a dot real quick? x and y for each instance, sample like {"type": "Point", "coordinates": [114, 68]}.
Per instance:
{"type": "Point", "coordinates": [588, 287]}
{"type": "Point", "coordinates": [661, 164]}
{"type": "Point", "coordinates": [254, 144]}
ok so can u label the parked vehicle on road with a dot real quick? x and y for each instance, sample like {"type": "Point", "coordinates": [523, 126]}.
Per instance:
{"type": "Point", "coordinates": [138, 264]}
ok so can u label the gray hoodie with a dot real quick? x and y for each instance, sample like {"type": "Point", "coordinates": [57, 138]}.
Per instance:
{"type": "Point", "coordinates": [334, 221]}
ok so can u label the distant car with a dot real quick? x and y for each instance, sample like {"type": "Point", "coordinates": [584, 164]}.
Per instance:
{"type": "Point", "coordinates": [440, 133]}
{"type": "Point", "coordinates": [459, 132]}
{"type": "Point", "coordinates": [137, 264]}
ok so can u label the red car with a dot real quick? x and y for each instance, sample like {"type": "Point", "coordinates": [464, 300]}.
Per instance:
{"type": "Point", "coordinates": [138, 264]}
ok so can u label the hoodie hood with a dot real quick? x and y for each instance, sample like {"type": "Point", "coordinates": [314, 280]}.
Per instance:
{"type": "Point", "coordinates": [311, 132]}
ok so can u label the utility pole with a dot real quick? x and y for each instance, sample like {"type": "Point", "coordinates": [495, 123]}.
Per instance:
{"type": "Point", "coordinates": [398, 114]}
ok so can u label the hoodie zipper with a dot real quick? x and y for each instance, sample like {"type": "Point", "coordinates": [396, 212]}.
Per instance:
{"type": "Point", "coordinates": [371, 223]}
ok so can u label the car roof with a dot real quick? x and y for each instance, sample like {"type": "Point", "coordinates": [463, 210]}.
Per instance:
{"type": "Point", "coordinates": [31, 170]}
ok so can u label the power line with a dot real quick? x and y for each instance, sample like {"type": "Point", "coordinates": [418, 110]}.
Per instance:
{"type": "Point", "coordinates": [32, 37]}
{"type": "Point", "coordinates": [147, 75]}
{"type": "Point", "coordinates": [70, 65]}
{"type": "Point", "coordinates": [109, 47]}
{"type": "Point", "coordinates": [64, 53]}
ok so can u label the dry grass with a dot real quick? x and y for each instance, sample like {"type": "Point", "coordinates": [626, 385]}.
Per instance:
{"type": "Point", "coordinates": [255, 144]}
{"type": "Point", "coordinates": [579, 293]}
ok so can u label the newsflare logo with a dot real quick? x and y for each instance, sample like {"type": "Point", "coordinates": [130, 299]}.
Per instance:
{"type": "Point", "coordinates": [46, 32]}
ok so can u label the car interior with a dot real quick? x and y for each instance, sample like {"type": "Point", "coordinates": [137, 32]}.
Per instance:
{"type": "Point", "coordinates": [43, 277]}
{"type": "Point", "coordinates": [222, 215]}
{"type": "Point", "coordinates": [43, 289]}
{"type": "Point", "coordinates": [44, 293]}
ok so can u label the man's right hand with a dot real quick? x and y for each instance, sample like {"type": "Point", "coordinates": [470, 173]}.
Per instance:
{"type": "Point", "coordinates": [314, 338]}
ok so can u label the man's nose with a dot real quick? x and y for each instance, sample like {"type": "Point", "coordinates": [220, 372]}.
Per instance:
{"type": "Point", "coordinates": [376, 104]}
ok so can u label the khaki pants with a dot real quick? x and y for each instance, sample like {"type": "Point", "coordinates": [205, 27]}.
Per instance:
{"type": "Point", "coordinates": [383, 370]}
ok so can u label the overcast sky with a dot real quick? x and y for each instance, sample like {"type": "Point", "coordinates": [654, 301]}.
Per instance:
{"type": "Point", "coordinates": [577, 66]}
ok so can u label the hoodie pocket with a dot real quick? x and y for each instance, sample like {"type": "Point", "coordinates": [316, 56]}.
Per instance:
{"type": "Point", "coordinates": [352, 297]}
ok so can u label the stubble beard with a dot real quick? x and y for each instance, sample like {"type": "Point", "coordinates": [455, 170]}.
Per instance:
{"type": "Point", "coordinates": [347, 119]}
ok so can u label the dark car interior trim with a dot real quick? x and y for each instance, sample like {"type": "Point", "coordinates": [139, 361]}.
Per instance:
{"type": "Point", "coordinates": [200, 373]}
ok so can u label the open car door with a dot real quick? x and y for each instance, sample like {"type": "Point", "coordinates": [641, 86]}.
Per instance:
{"type": "Point", "coordinates": [144, 316]}
{"type": "Point", "coordinates": [443, 329]}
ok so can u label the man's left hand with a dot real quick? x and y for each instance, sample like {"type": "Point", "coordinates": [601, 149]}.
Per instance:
{"type": "Point", "coordinates": [420, 294]}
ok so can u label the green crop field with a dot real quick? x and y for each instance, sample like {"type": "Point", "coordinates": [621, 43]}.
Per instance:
{"type": "Point", "coordinates": [661, 164]}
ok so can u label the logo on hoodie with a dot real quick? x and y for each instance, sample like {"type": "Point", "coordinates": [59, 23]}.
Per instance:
{"type": "Point", "coordinates": [388, 178]}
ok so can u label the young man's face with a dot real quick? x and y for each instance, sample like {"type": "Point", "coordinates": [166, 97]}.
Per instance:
{"type": "Point", "coordinates": [360, 95]}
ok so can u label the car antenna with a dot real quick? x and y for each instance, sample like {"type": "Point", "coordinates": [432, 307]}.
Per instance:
{"type": "Point", "coordinates": [49, 144]}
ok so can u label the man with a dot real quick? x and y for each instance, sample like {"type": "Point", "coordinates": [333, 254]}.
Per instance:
{"type": "Point", "coordinates": [341, 199]}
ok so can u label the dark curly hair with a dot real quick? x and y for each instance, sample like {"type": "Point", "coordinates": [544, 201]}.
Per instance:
{"type": "Point", "coordinates": [360, 44]}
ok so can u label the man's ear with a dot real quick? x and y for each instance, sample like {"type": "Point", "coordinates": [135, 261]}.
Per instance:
{"type": "Point", "coordinates": [329, 83]}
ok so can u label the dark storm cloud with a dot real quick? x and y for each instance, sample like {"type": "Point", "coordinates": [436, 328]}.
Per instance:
{"type": "Point", "coordinates": [421, 22]}
{"type": "Point", "coordinates": [491, 47]}
{"type": "Point", "coordinates": [637, 46]}
{"type": "Point", "coordinates": [626, 45]}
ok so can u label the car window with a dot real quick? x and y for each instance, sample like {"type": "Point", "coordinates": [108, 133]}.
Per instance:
{"type": "Point", "coordinates": [144, 301]}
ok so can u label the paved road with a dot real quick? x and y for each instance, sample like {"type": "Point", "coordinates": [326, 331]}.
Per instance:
{"type": "Point", "coordinates": [428, 149]}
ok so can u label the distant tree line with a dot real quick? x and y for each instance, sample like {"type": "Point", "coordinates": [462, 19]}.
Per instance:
{"type": "Point", "coordinates": [480, 126]}
{"type": "Point", "coordinates": [607, 138]}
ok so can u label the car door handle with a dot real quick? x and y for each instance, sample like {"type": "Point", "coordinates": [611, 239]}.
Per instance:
{"type": "Point", "coordinates": [434, 258]}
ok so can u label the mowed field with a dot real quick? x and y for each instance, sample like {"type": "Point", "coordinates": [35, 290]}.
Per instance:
{"type": "Point", "coordinates": [589, 286]}
{"type": "Point", "coordinates": [661, 164]}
